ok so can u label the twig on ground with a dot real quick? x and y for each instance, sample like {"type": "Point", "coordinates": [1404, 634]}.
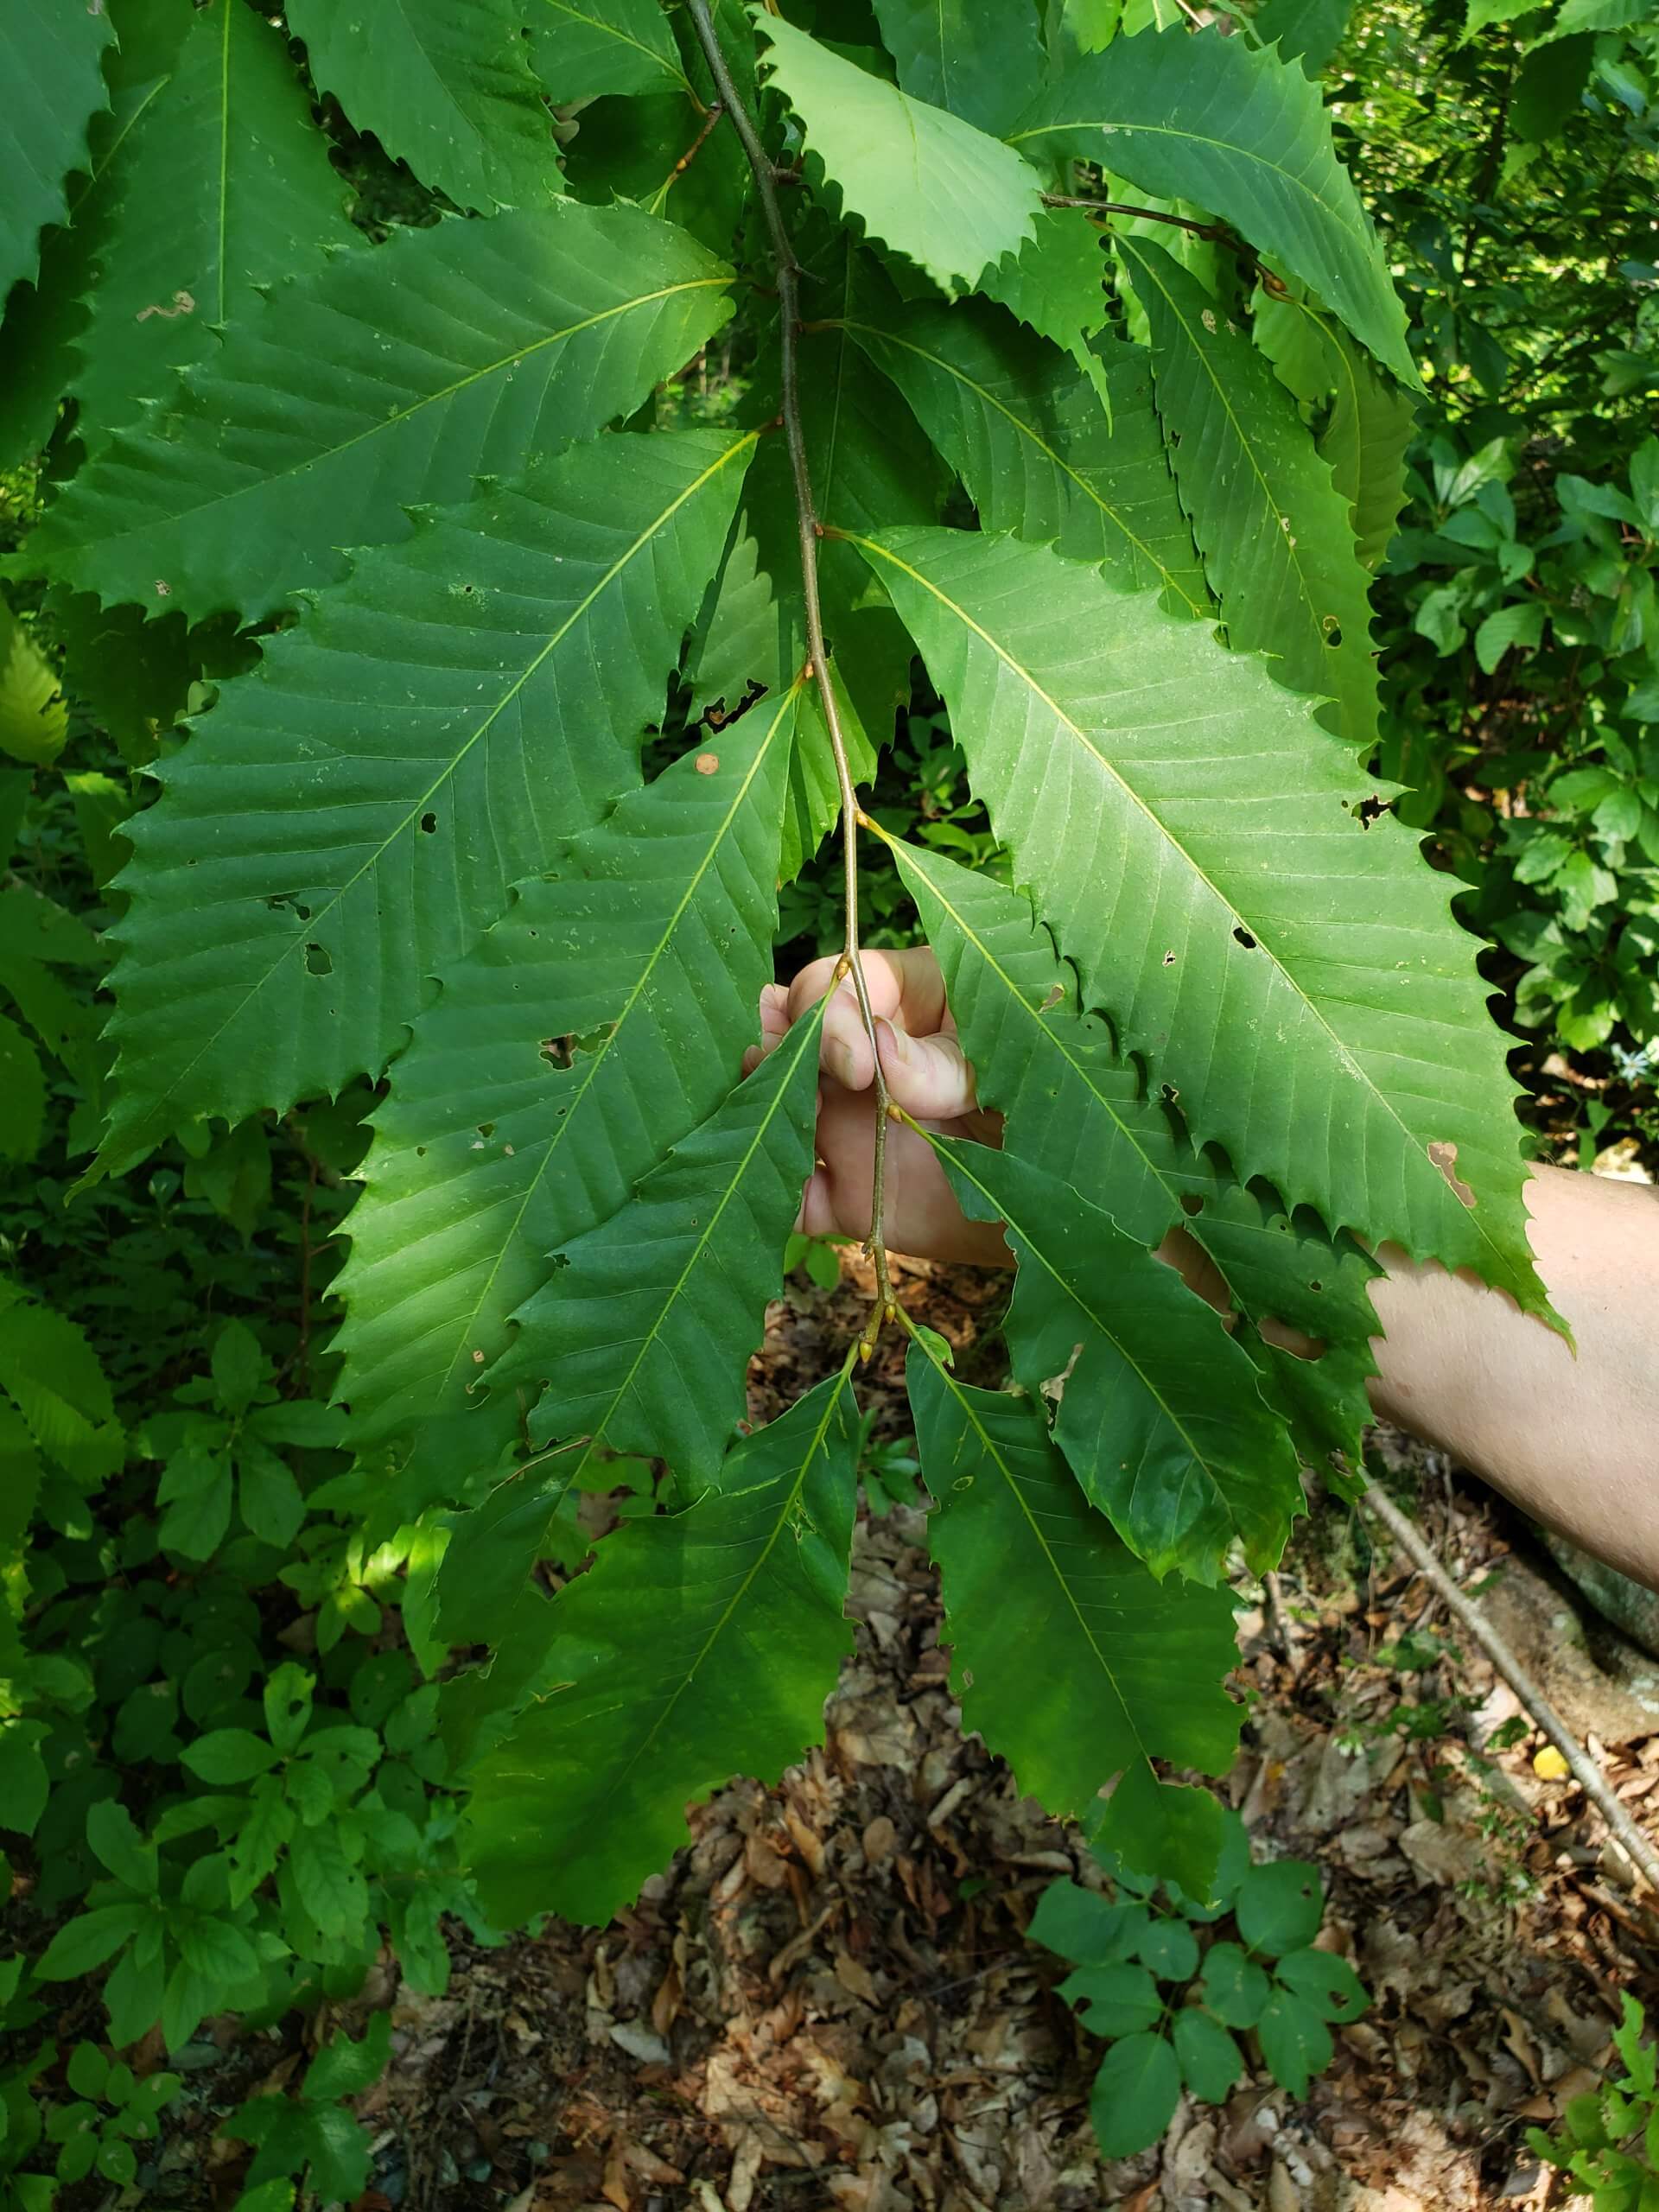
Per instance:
{"type": "Point", "coordinates": [1585, 1770]}
{"type": "Point", "coordinates": [1283, 1635]}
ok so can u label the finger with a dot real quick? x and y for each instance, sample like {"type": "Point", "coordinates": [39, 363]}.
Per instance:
{"type": "Point", "coordinates": [904, 987]}
{"type": "Point", "coordinates": [774, 1018]}
{"type": "Point", "coordinates": [928, 1076]}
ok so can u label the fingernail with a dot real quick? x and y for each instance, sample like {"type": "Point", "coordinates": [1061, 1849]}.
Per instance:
{"type": "Point", "coordinates": [898, 1043]}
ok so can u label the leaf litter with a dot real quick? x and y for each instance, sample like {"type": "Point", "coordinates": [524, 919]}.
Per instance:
{"type": "Point", "coordinates": [827, 2001]}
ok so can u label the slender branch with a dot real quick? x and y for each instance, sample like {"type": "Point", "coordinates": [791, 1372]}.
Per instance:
{"type": "Point", "coordinates": [767, 176]}
{"type": "Point", "coordinates": [1142, 214]}
{"type": "Point", "coordinates": [691, 152]}
{"type": "Point", "coordinates": [1585, 1770]}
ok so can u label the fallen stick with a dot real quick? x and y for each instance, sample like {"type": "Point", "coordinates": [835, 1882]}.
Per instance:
{"type": "Point", "coordinates": [1585, 1770]}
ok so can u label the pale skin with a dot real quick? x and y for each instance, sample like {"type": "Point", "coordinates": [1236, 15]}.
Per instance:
{"type": "Point", "coordinates": [1573, 1440]}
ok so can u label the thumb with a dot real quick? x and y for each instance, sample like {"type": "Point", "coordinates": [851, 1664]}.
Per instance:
{"type": "Point", "coordinates": [928, 1077]}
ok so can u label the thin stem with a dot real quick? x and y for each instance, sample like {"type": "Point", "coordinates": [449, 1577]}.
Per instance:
{"type": "Point", "coordinates": [691, 152]}
{"type": "Point", "coordinates": [766, 176]}
{"type": "Point", "coordinates": [1142, 214]}
{"type": "Point", "coordinates": [1585, 1770]}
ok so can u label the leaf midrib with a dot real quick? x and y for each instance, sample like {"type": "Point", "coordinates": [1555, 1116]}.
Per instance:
{"type": "Point", "coordinates": [626, 38]}
{"type": "Point", "coordinates": [993, 1451]}
{"type": "Point", "coordinates": [805, 1033]}
{"type": "Point", "coordinates": [666, 1713]}
{"type": "Point", "coordinates": [1414, 1152]}
{"type": "Point", "coordinates": [295, 943]}
{"type": "Point", "coordinates": [1279, 536]}
{"type": "Point", "coordinates": [1026, 430]}
{"type": "Point", "coordinates": [596, 1059]}
{"type": "Point", "coordinates": [955, 1154]}
{"type": "Point", "coordinates": [262, 483]}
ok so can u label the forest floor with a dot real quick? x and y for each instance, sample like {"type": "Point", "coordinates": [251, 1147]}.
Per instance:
{"type": "Point", "coordinates": [827, 2001]}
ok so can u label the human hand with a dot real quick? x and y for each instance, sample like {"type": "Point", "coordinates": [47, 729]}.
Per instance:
{"type": "Point", "coordinates": [926, 1075]}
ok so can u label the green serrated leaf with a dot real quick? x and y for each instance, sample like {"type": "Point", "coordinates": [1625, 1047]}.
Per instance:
{"type": "Point", "coordinates": [34, 720]}
{"type": "Point", "coordinates": [648, 940]}
{"type": "Point", "coordinates": [42, 321]}
{"type": "Point", "coordinates": [584, 50]}
{"type": "Point", "coordinates": [1158, 1415]}
{"type": "Point", "coordinates": [1199, 948]}
{"type": "Point", "coordinates": [982, 64]}
{"type": "Point", "coordinates": [51, 62]}
{"type": "Point", "coordinates": [445, 85]}
{"type": "Point", "coordinates": [223, 185]}
{"type": "Point", "coordinates": [1038, 453]}
{"type": "Point", "coordinates": [676, 1284]}
{"type": "Point", "coordinates": [489, 655]}
{"type": "Point", "coordinates": [22, 1093]}
{"type": "Point", "coordinates": [1277, 535]}
{"type": "Point", "coordinates": [1056, 285]}
{"type": "Point", "coordinates": [1135, 1666]}
{"type": "Point", "coordinates": [945, 196]}
{"type": "Point", "coordinates": [1233, 128]}
{"type": "Point", "coordinates": [455, 352]}
{"type": "Point", "coordinates": [52, 1374]}
{"type": "Point", "coordinates": [1364, 441]}
{"type": "Point", "coordinates": [699, 1644]}
{"type": "Point", "coordinates": [1305, 31]}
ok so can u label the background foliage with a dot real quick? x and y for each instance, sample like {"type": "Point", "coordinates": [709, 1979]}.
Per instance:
{"type": "Point", "coordinates": [224, 1786]}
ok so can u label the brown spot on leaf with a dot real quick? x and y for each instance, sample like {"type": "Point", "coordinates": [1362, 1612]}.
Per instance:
{"type": "Point", "coordinates": [1445, 1157]}
{"type": "Point", "coordinates": [183, 303]}
{"type": "Point", "coordinates": [1056, 993]}
{"type": "Point", "coordinates": [707, 763]}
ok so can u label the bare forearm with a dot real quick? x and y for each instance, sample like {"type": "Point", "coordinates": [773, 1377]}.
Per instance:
{"type": "Point", "coordinates": [1574, 1440]}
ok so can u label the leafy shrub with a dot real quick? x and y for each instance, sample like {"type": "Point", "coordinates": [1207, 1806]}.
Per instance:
{"type": "Point", "coordinates": [1155, 1979]}
{"type": "Point", "coordinates": [1518, 618]}
{"type": "Point", "coordinates": [1594, 2144]}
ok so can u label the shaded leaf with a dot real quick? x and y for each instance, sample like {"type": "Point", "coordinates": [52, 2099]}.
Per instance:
{"type": "Point", "coordinates": [1037, 452]}
{"type": "Point", "coordinates": [676, 1284]}
{"type": "Point", "coordinates": [583, 49]}
{"type": "Point", "coordinates": [700, 1644]}
{"type": "Point", "coordinates": [1135, 1666]}
{"type": "Point", "coordinates": [1275, 533]}
{"type": "Point", "coordinates": [34, 720]}
{"type": "Point", "coordinates": [51, 62]}
{"type": "Point", "coordinates": [1159, 1416]}
{"type": "Point", "coordinates": [982, 64]}
{"type": "Point", "coordinates": [445, 85]}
